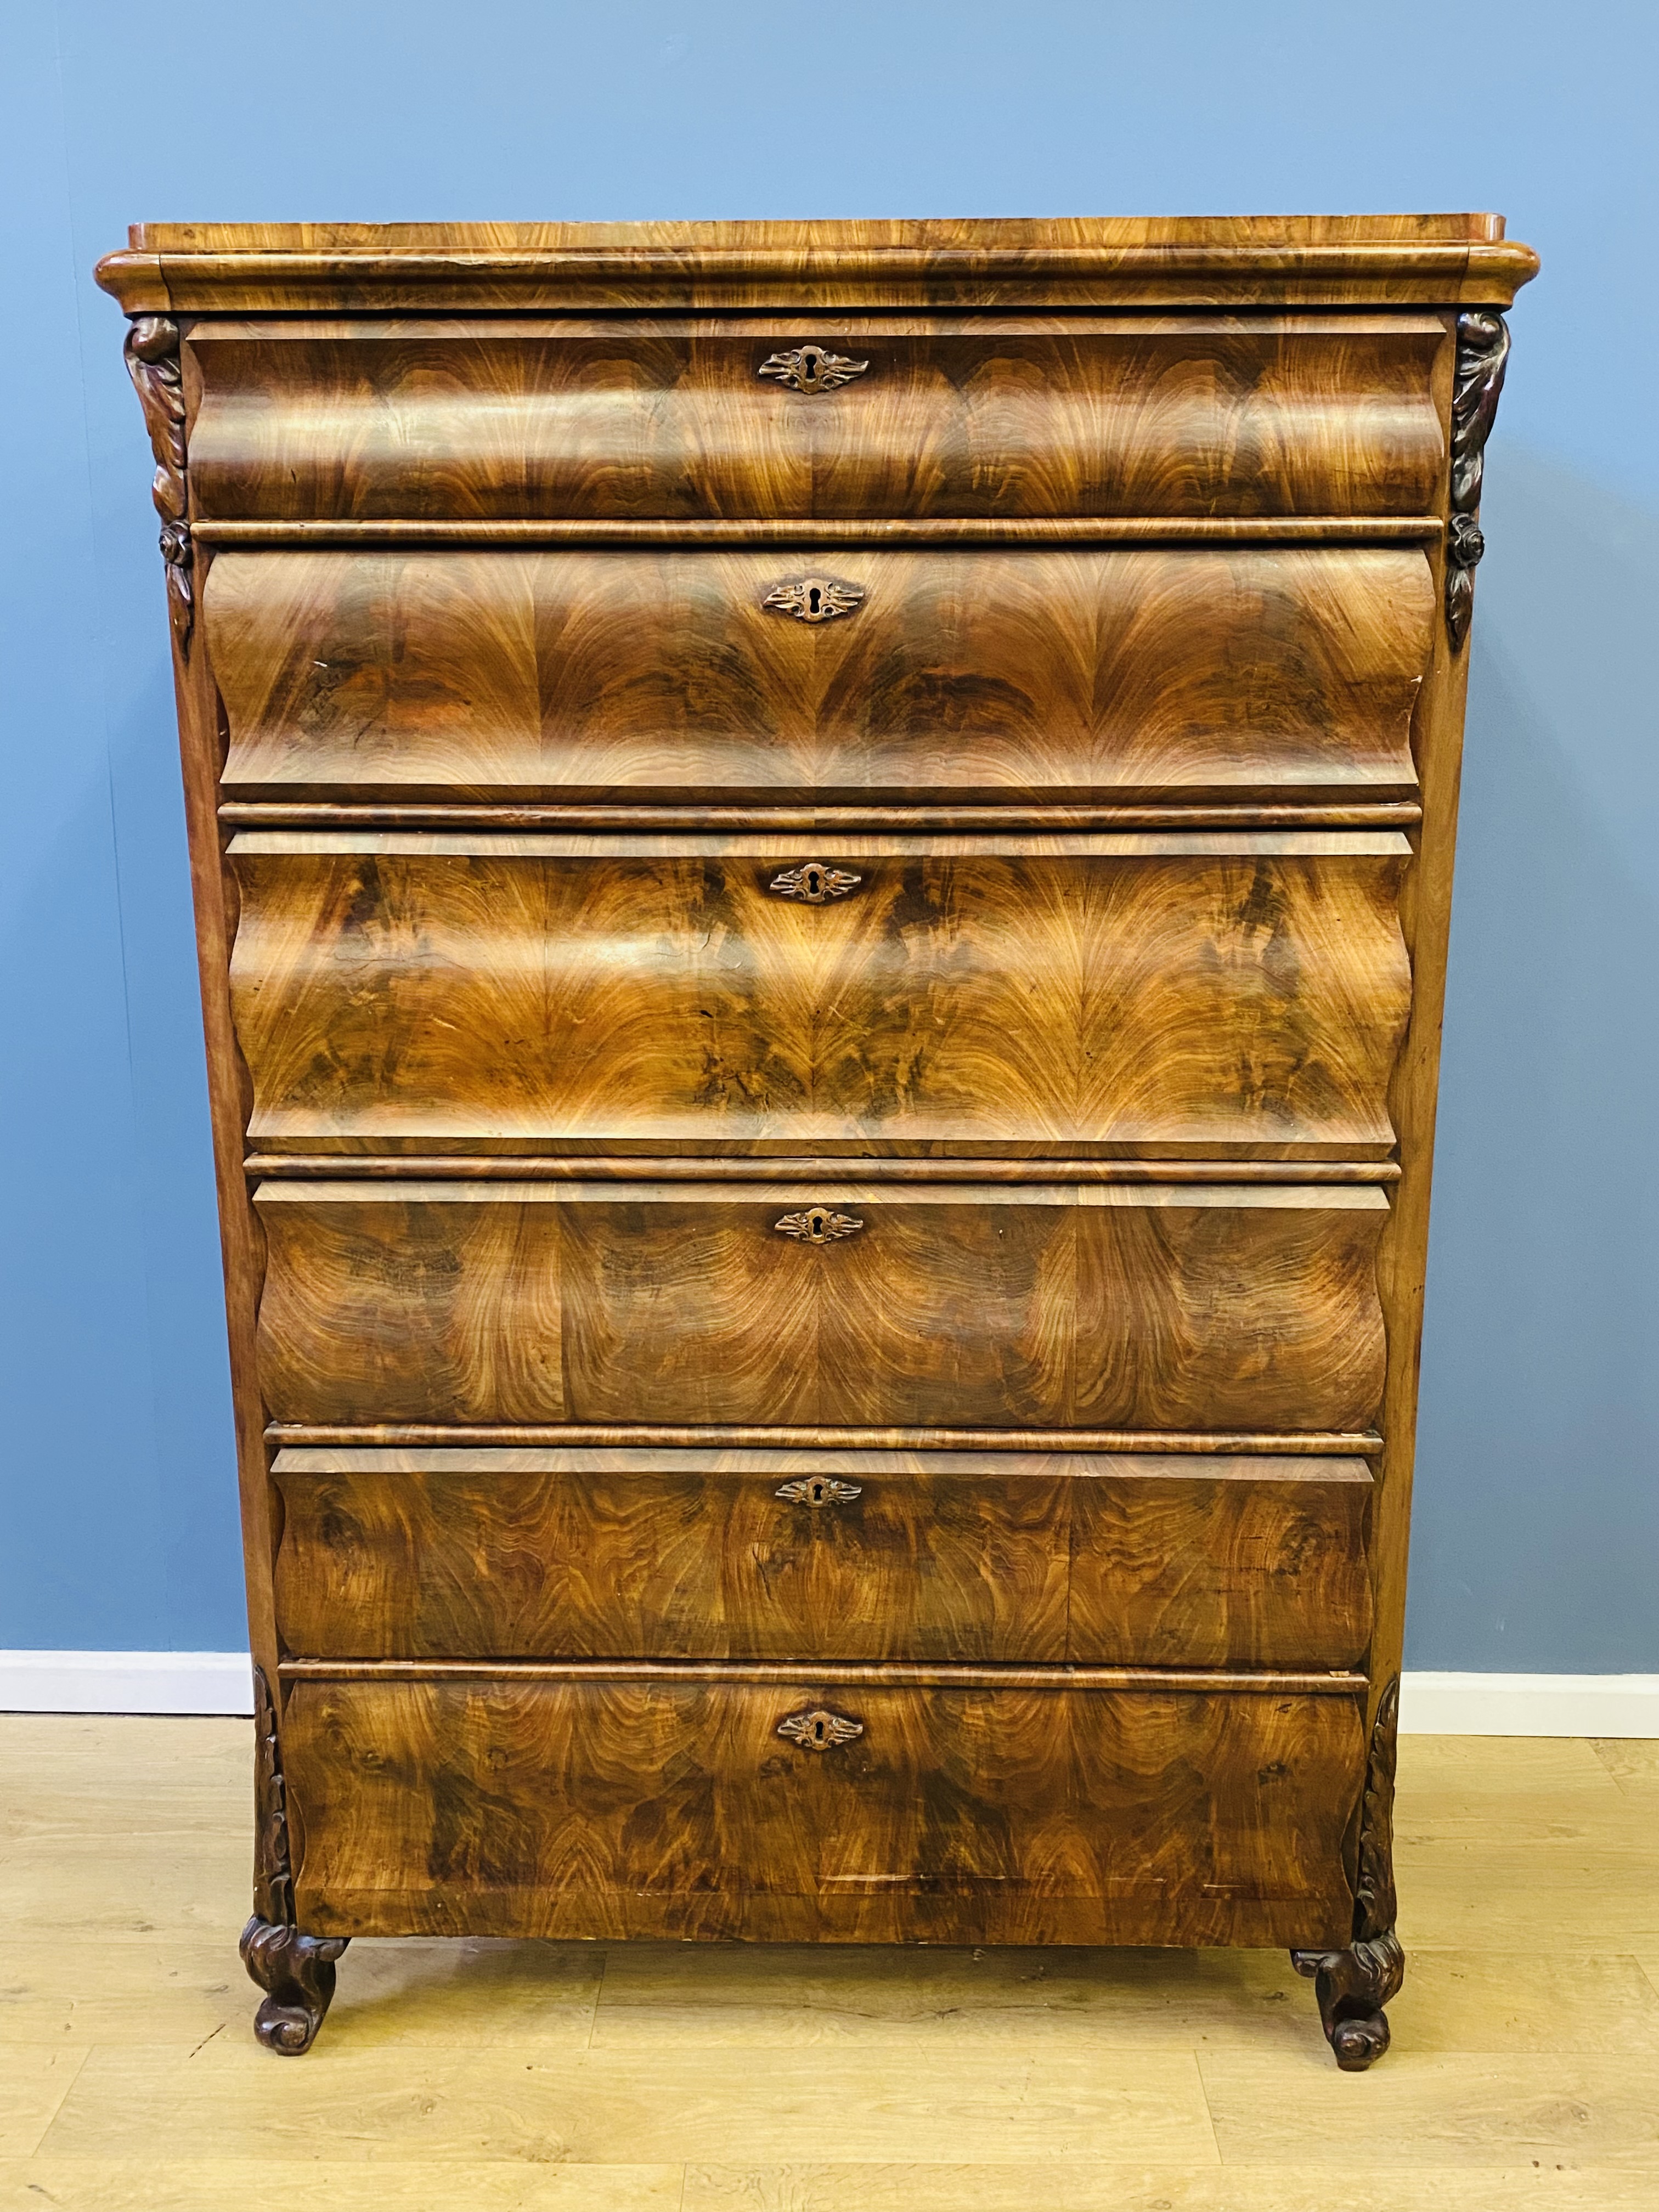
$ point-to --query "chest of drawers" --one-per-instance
(822, 856)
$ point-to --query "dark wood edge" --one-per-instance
(768, 531)
(889, 1674)
(1323, 1442)
(237, 814)
(692, 1168)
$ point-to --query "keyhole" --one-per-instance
(815, 599)
(818, 1731)
(813, 875)
(816, 1493)
(817, 1221)
(810, 359)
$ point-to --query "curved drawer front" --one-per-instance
(682, 419)
(1116, 1306)
(1137, 1559)
(622, 1807)
(1229, 990)
(958, 675)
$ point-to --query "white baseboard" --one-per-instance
(125, 1682)
(1429, 1704)
(1530, 1705)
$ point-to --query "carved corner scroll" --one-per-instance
(273, 1872)
(1483, 352)
(814, 599)
(1353, 1986)
(814, 884)
(819, 1490)
(820, 1730)
(152, 358)
(817, 1224)
(296, 1972)
(809, 368)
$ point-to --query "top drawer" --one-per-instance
(693, 419)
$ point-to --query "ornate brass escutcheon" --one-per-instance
(809, 368)
(814, 884)
(820, 1730)
(814, 599)
(819, 1490)
(816, 1224)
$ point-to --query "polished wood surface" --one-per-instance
(1127, 261)
(674, 419)
(1113, 1306)
(1137, 1559)
(1216, 992)
(962, 677)
(786, 714)
(611, 1809)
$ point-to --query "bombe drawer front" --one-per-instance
(1235, 992)
(949, 675)
(1133, 1559)
(1162, 1307)
(800, 1807)
(679, 419)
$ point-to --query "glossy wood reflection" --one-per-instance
(1138, 415)
(964, 675)
(1138, 1560)
(1118, 1306)
(623, 1808)
(1223, 992)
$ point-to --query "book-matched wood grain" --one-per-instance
(673, 420)
(1217, 991)
(1118, 1306)
(1138, 1560)
(961, 676)
(675, 1808)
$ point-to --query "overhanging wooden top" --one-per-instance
(1226, 261)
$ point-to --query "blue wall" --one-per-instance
(1538, 1521)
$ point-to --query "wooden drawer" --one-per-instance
(1136, 1307)
(1136, 1558)
(957, 676)
(679, 419)
(607, 1805)
(1229, 991)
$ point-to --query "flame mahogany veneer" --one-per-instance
(822, 855)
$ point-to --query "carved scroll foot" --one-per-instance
(297, 1972)
(1353, 1986)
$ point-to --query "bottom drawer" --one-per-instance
(758, 1804)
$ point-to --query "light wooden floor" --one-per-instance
(510, 2078)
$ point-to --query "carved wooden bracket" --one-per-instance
(816, 1224)
(1353, 1986)
(820, 1730)
(296, 1972)
(152, 358)
(273, 1872)
(814, 884)
(819, 1490)
(1483, 352)
(809, 368)
(814, 599)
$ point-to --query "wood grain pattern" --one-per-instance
(1218, 992)
(1064, 678)
(626, 1808)
(1124, 1306)
(671, 419)
(1143, 563)
(1142, 1560)
(1246, 261)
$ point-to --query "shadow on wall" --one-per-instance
(1537, 1507)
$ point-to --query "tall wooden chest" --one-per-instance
(822, 856)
